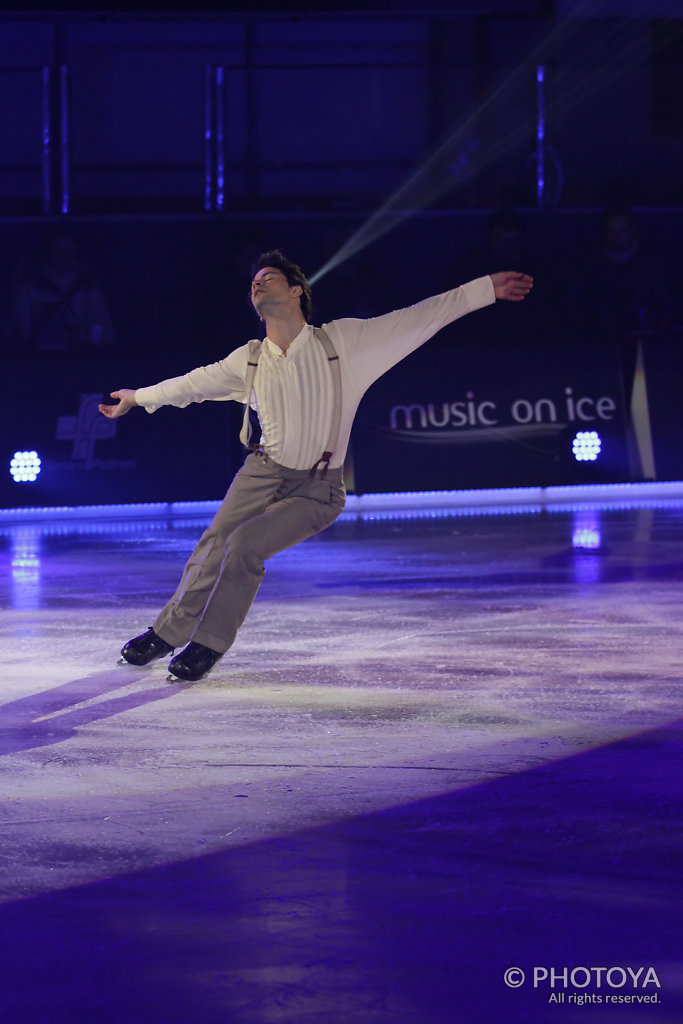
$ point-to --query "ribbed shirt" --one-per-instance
(293, 393)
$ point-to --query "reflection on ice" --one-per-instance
(25, 563)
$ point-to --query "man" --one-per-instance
(307, 384)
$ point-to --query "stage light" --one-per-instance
(586, 446)
(25, 467)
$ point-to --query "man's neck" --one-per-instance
(283, 330)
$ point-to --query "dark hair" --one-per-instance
(293, 273)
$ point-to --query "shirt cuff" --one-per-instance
(145, 398)
(480, 292)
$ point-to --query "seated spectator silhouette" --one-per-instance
(504, 241)
(621, 286)
(503, 245)
(58, 303)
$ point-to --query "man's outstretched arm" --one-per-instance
(374, 346)
(221, 381)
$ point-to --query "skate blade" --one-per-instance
(150, 664)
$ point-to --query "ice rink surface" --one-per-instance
(444, 745)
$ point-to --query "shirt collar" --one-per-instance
(276, 352)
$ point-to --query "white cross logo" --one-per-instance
(88, 426)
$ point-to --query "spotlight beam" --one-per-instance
(436, 175)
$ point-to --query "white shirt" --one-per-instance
(294, 393)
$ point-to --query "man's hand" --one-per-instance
(126, 398)
(509, 284)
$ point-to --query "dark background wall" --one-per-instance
(173, 147)
(334, 110)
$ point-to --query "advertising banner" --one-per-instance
(480, 416)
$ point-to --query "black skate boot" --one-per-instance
(144, 648)
(193, 663)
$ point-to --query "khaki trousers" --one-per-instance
(267, 509)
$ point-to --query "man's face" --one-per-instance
(270, 290)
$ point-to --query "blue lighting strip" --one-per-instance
(47, 140)
(208, 137)
(540, 135)
(220, 139)
(65, 141)
(400, 503)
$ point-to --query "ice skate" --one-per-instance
(143, 649)
(193, 663)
